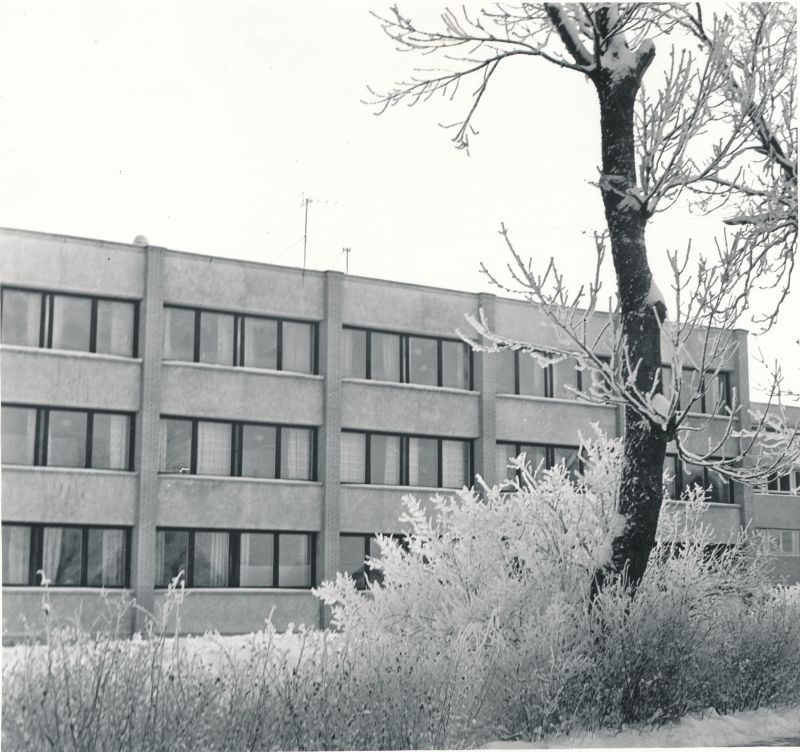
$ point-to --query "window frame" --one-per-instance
(237, 429)
(794, 541)
(239, 323)
(234, 557)
(549, 381)
(679, 486)
(47, 298)
(404, 457)
(367, 538)
(404, 355)
(701, 402)
(549, 451)
(36, 552)
(42, 429)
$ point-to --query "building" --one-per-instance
(254, 425)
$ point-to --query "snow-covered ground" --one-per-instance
(778, 726)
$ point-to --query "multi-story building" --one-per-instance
(254, 426)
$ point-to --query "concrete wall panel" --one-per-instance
(240, 394)
(67, 379)
(724, 519)
(185, 501)
(405, 408)
(772, 510)
(377, 509)
(69, 496)
(53, 262)
(242, 286)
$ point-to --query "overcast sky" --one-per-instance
(203, 124)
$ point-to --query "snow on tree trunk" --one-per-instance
(617, 81)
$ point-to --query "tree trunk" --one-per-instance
(640, 493)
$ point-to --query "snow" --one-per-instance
(654, 295)
(708, 729)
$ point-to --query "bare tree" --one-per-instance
(654, 148)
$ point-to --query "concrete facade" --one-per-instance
(144, 499)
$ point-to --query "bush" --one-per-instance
(480, 629)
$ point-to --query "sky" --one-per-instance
(204, 124)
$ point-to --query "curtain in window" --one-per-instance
(16, 554)
(455, 464)
(353, 457)
(211, 559)
(296, 453)
(22, 312)
(384, 460)
(51, 552)
(298, 349)
(66, 441)
(385, 356)
(113, 558)
(178, 334)
(216, 338)
(71, 322)
(19, 431)
(175, 446)
(162, 576)
(110, 435)
(114, 327)
(294, 560)
(260, 343)
(213, 448)
(422, 462)
(504, 454)
(354, 353)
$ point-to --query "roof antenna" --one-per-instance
(346, 260)
(306, 202)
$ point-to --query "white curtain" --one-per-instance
(161, 546)
(297, 347)
(454, 464)
(353, 457)
(213, 448)
(51, 552)
(16, 554)
(385, 460)
(296, 453)
(294, 564)
(119, 433)
(113, 573)
(385, 357)
(114, 327)
(218, 560)
(216, 338)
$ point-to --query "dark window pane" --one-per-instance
(354, 353)
(351, 558)
(16, 554)
(258, 451)
(172, 555)
(22, 313)
(296, 453)
(114, 327)
(423, 462)
(61, 555)
(504, 364)
(210, 560)
(385, 356)
(565, 374)
(422, 360)
(19, 435)
(213, 448)
(455, 365)
(216, 338)
(256, 560)
(106, 558)
(297, 352)
(353, 457)
(455, 464)
(294, 560)
(66, 438)
(384, 467)
(260, 343)
(72, 319)
(178, 334)
(532, 377)
(110, 441)
(176, 446)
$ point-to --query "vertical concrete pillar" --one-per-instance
(330, 435)
(486, 384)
(740, 384)
(147, 433)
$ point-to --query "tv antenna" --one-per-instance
(346, 260)
(305, 203)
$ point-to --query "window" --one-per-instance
(788, 483)
(232, 558)
(69, 322)
(354, 548)
(396, 460)
(406, 358)
(715, 387)
(250, 450)
(61, 437)
(68, 555)
(521, 373)
(780, 542)
(537, 456)
(719, 490)
(201, 336)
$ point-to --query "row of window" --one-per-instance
(520, 373)
(536, 456)
(69, 322)
(230, 339)
(67, 555)
(253, 450)
(404, 460)
(779, 541)
(64, 437)
(682, 475)
(406, 358)
(716, 388)
(788, 483)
